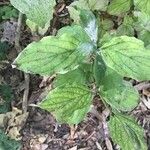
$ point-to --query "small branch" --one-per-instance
(4, 3)
(26, 93)
(102, 118)
(142, 86)
(18, 30)
(26, 76)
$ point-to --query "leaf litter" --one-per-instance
(38, 130)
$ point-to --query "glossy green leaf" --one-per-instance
(91, 4)
(143, 6)
(117, 93)
(56, 54)
(127, 56)
(37, 11)
(118, 7)
(66, 100)
(126, 132)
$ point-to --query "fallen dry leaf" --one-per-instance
(13, 122)
(37, 142)
(73, 148)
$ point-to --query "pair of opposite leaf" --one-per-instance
(73, 46)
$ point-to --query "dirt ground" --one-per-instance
(39, 129)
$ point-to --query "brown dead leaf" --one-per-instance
(13, 122)
(37, 142)
(3, 120)
(146, 101)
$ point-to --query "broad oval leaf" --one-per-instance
(126, 132)
(118, 7)
(55, 54)
(128, 57)
(143, 6)
(64, 101)
(39, 12)
(119, 94)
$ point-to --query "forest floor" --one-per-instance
(37, 129)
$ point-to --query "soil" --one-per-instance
(41, 131)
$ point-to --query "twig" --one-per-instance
(142, 86)
(26, 93)
(4, 3)
(102, 118)
(26, 76)
(18, 30)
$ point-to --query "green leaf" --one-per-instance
(73, 76)
(56, 54)
(75, 118)
(125, 30)
(145, 37)
(143, 22)
(127, 27)
(87, 20)
(8, 144)
(99, 69)
(126, 132)
(117, 93)
(89, 23)
(74, 14)
(5, 98)
(66, 100)
(35, 28)
(127, 56)
(106, 37)
(37, 11)
(8, 12)
(91, 4)
(118, 7)
(107, 24)
(143, 6)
